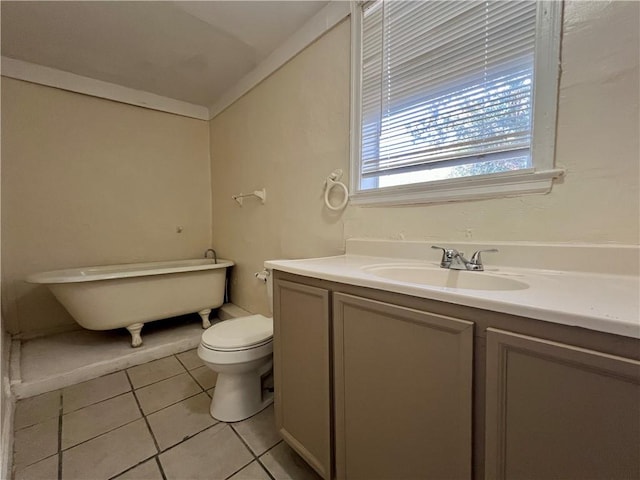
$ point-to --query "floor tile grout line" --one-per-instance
(172, 404)
(242, 440)
(155, 457)
(146, 421)
(159, 463)
(191, 374)
(255, 456)
(264, 467)
(150, 457)
(101, 400)
(188, 437)
(182, 441)
(240, 469)
(153, 383)
(175, 355)
(22, 466)
(247, 447)
(196, 380)
(94, 404)
(173, 376)
(263, 454)
(273, 446)
(182, 363)
(100, 435)
(47, 419)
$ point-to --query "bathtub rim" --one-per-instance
(110, 272)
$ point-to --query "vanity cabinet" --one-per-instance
(402, 392)
(556, 411)
(302, 379)
(399, 382)
(372, 384)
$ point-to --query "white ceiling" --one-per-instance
(189, 51)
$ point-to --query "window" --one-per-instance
(453, 99)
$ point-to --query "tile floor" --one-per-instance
(148, 422)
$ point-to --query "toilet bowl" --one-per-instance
(240, 351)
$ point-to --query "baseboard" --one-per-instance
(15, 374)
(8, 407)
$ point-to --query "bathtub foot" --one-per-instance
(204, 314)
(134, 330)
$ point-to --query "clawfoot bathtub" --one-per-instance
(116, 296)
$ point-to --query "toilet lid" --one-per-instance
(239, 332)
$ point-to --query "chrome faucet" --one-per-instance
(454, 260)
(215, 256)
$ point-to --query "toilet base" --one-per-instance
(239, 396)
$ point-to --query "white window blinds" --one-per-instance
(446, 83)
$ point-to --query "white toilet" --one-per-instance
(240, 351)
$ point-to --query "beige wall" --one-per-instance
(286, 135)
(597, 144)
(291, 131)
(87, 181)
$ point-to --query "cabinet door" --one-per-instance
(555, 411)
(402, 383)
(302, 371)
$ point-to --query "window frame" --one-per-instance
(538, 179)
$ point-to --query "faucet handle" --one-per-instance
(447, 256)
(476, 259)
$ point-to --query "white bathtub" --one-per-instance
(115, 296)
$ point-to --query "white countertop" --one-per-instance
(593, 300)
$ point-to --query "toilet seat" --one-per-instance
(238, 334)
(240, 349)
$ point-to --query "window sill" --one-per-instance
(460, 189)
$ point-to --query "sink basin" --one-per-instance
(445, 278)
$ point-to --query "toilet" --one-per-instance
(240, 350)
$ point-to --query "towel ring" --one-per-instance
(333, 181)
